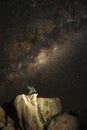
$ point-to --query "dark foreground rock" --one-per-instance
(2, 117)
(64, 122)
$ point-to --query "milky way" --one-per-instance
(44, 44)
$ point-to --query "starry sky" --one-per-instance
(44, 44)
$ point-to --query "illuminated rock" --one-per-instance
(34, 113)
(48, 108)
(2, 117)
(64, 122)
(26, 106)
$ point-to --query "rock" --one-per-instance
(34, 113)
(8, 128)
(64, 122)
(48, 108)
(2, 117)
(26, 107)
(9, 122)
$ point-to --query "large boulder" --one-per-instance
(2, 117)
(26, 107)
(64, 122)
(48, 108)
(34, 112)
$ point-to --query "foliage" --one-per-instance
(31, 90)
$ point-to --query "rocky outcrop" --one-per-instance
(38, 114)
(34, 112)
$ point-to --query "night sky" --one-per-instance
(44, 43)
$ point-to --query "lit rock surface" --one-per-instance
(64, 122)
(48, 108)
(34, 112)
(27, 111)
(2, 117)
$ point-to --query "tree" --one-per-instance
(31, 90)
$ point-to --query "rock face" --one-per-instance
(34, 112)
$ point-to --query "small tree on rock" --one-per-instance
(31, 90)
